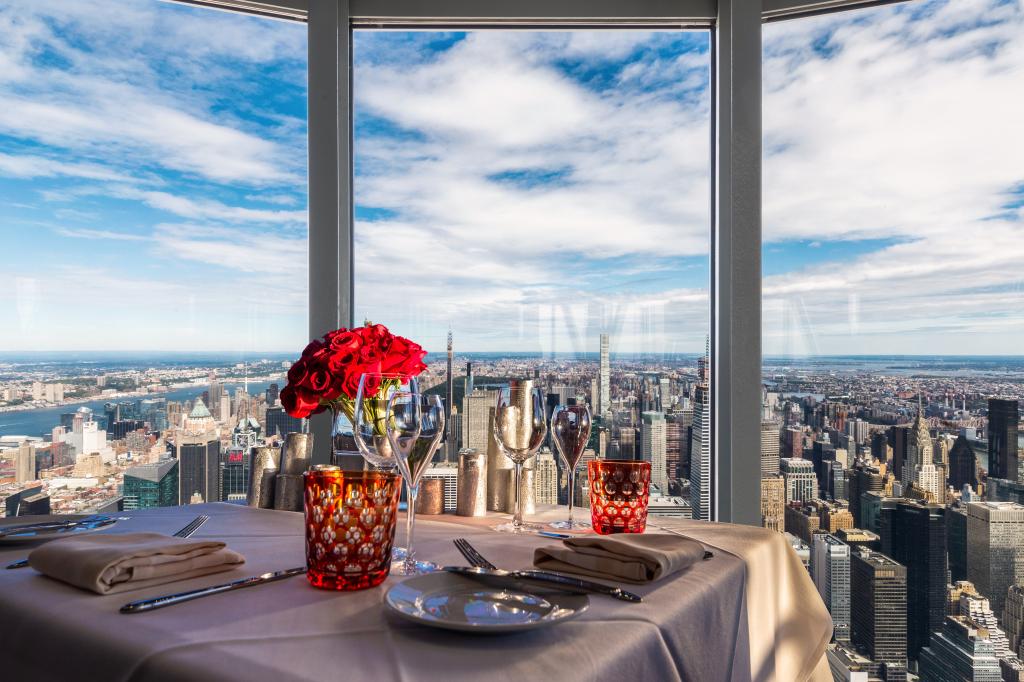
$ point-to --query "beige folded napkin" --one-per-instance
(117, 563)
(640, 558)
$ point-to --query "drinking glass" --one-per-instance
(415, 426)
(619, 493)
(570, 429)
(519, 429)
(368, 428)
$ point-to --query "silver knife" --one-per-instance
(169, 599)
(91, 522)
(553, 579)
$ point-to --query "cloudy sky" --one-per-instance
(529, 190)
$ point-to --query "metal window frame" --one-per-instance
(735, 308)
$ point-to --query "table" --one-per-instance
(749, 613)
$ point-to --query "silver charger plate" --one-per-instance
(452, 602)
(7, 525)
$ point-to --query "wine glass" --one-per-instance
(519, 429)
(570, 429)
(415, 426)
(368, 429)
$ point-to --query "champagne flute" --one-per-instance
(570, 429)
(519, 429)
(415, 426)
(368, 428)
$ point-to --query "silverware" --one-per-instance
(169, 599)
(485, 569)
(556, 536)
(185, 532)
(556, 580)
(96, 521)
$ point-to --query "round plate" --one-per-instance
(452, 602)
(8, 524)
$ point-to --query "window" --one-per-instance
(153, 222)
(544, 196)
(892, 307)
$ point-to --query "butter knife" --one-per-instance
(169, 599)
(557, 580)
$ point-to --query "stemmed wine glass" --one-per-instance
(368, 429)
(415, 425)
(369, 417)
(570, 429)
(519, 428)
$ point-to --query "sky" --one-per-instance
(528, 190)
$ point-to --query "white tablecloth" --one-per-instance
(749, 613)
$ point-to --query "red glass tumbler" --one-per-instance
(619, 491)
(350, 526)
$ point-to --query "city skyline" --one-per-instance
(197, 219)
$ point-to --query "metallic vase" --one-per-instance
(498, 466)
(266, 461)
(471, 499)
(288, 491)
(297, 453)
(430, 499)
(527, 491)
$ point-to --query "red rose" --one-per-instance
(347, 342)
(298, 402)
(318, 380)
(297, 373)
(312, 347)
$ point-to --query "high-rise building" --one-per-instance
(604, 401)
(675, 444)
(773, 503)
(545, 478)
(830, 570)
(233, 474)
(995, 548)
(450, 445)
(197, 449)
(956, 542)
(769, 448)
(151, 485)
(279, 423)
(972, 605)
(1013, 617)
(449, 473)
(878, 610)
(652, 447)
(900, 439)
(1003, 417)
(25, 463)
(700, 440)
(801, 483)
(477, 416)
(918, 541)
(963, 466)
(960, 650)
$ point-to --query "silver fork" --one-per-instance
(474, 557)
(185, 532)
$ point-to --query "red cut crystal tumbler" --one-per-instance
(350, 526)
(619, 491)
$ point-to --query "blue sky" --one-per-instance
(528, 189)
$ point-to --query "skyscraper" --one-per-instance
(956, 542)
(233, 474)
(25, 463)
(604, 403)
(197, 449)
(1003, 416)
(963, 466)
(653, 444)
(450, 446)
(1013, 617)
(769, 448)
(151, 485)
(477, 408)
(995, 548)
(878, 610)
(675, 441)
(918, 541)
(545, 478)
(280, 423)
(700, 441)
(960, 650)
(773, 503)
(801, 483)
(830, 569)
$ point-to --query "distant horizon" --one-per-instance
(508, 353)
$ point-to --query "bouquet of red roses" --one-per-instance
(327, 375)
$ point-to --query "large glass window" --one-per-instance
(893, 312)
(544, 197)
(153, 223)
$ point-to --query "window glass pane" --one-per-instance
(533, 193)
(153, 227)
(893, 315)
